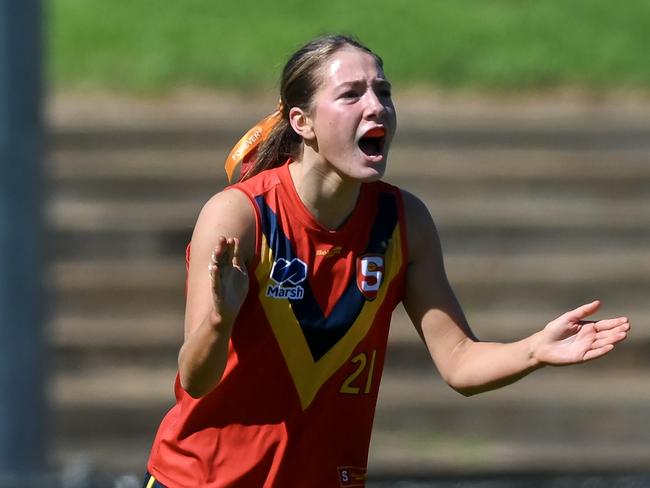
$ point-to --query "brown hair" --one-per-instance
(299, 82)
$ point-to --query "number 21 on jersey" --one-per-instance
(363, 365)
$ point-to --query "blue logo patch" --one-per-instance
(288, 275)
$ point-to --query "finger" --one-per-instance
(213, 270)
(596, 353)
(213, 265)
(614, 330)
(607, 324)
(226, 256)
(583, 311)
(219, 249)
(231, 245)
(610, 339)
(237, 260)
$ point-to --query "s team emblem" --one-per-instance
(370, 273)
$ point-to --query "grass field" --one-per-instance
(143, 46)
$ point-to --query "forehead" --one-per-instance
(350, 64)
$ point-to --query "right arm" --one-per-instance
(217, 283)
(471, 366)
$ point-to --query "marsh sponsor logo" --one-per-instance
(287, 275)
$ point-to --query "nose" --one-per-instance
(374, 105)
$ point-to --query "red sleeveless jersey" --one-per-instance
(296, 403)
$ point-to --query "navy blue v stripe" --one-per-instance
(322, 333)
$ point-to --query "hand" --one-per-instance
(229, 278)
(569, 339)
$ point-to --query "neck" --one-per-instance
(328, 196)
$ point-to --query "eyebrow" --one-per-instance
(378, 82)
(383, 83)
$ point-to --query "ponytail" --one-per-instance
(282, 143)
(246, 149)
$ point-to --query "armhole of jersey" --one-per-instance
(403, 230)
(258, 228)
(187, 266)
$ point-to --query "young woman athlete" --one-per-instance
(293, 275)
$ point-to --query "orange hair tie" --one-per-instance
(245, 150)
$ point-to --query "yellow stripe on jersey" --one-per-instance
(151, 481)
(309, 375)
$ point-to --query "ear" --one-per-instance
(301, 123)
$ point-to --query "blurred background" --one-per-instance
(524, 126)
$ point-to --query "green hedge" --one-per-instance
(496, 45)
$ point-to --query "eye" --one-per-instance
(350, 94)
(385, 92)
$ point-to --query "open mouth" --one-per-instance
(372, 142)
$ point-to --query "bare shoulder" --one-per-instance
(229, 213)
(229, 207)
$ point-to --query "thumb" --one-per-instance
(583, 311)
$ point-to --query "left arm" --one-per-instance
(466, 364)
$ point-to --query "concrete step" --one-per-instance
(192, 164)
(566, 194)
(517, 208)
(70, 244)
(466, 164)
(539, 211)
(457, 239)
(597, 135)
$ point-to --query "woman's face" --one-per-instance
(353, 117)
